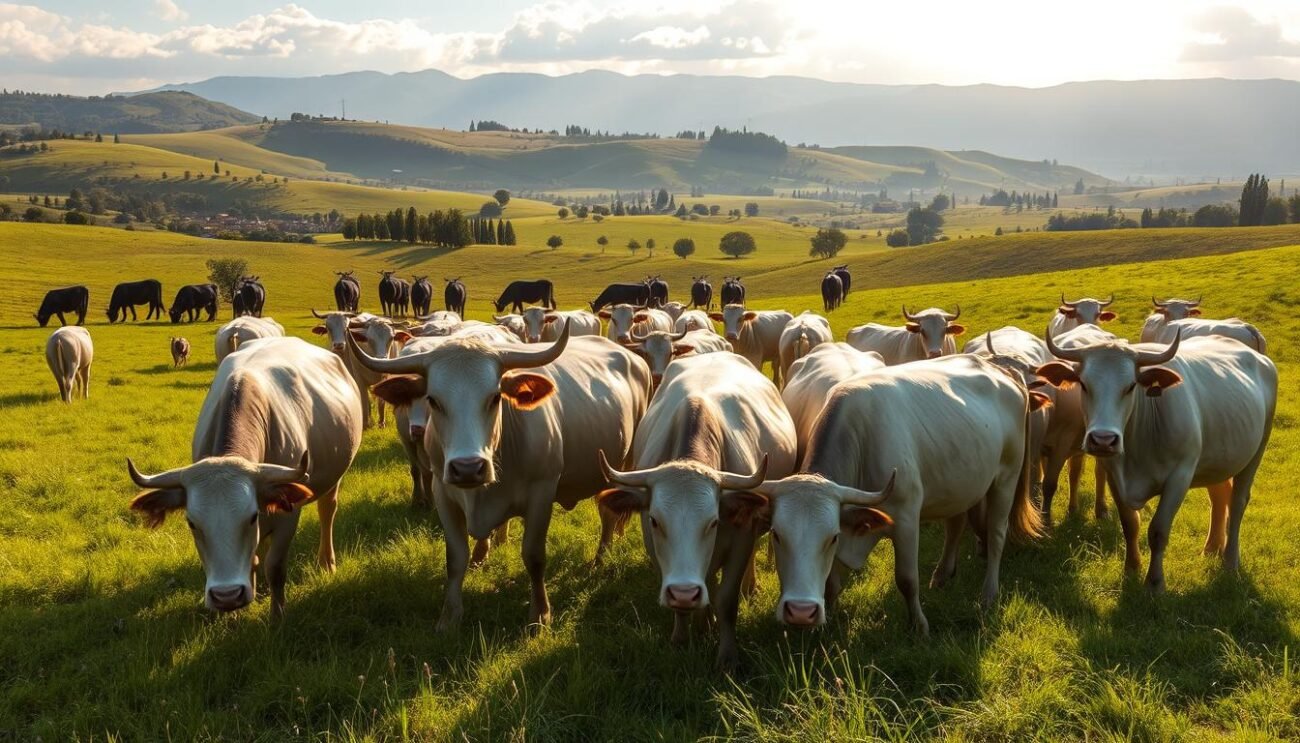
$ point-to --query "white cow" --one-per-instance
(624, 319)
(1159, 329)
(278, 429)
(674, 309)
(242, 330)
(812, 377)
(714, 415)
(434, 324)
(543, 325)
(69, 353)
(660, 348)
(927, 335)
(756, 335)
(693, 320)
(933, 440)
(513, 323)
(378, 333)
(1163, 419)
(802, 334)
(1086, 311)
(509, 443)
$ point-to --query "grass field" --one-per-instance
(103, 636)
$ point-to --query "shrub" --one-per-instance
(554, 241)
(736, 244)
(897, 239)
(490, 210)
(684, 247)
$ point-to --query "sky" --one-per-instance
(92, 47)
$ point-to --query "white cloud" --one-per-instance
(1233, 34)
(168, 10)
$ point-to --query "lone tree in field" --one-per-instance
(923, 226)
(563, 213)
(216, 168)
(736, 244)
(602, 241)
(828, 243)
(554, 241)
(225, 273)
(633, 246)
(502, 196)
(650, 246)
(751, 209)
(684, 247)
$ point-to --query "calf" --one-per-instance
(927, 335)
(383, 340)
(801, 335)
(71, 299)
(756, 335)
(1086, 311)
(69, 353)
(180, 351)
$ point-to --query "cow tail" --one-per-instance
(233, 342)
(801, 346)
(1026, 519)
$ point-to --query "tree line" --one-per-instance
(450, 228)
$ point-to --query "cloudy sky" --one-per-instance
(91, 46)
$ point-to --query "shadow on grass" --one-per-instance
(27, 398)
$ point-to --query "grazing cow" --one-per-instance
(660, 348)
(1202, 419)
(241, 330)
(799, 336)
(180, 351)
(693, 320)
(1178, 317)
(890, 449)
(514, 323)
(1086, 311)
(633, 294)
(624, 318)
(544, 325)
(674, 309)
(810, 381)
(58, 301)
(376, 332)
(714, 416)
(756, 335)
(519, 293)
(509, 443)
(347, 292)
(733, 292)
(846, 279)
(454, 297)
(278, 429)
(658, 291)
(69, 353)
(422, 295)
(832, 291)
(389, 293)
(193, 299)
(927, 335)
(131, 293)
(701, 293)
(250, 296)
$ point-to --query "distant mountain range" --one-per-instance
(1193, 128)
(138, 114)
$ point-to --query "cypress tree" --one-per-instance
(510, 234)
(412, 225)
(501, 232)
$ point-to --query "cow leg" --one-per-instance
(834, 586)
(379, 406)
(1076, 472)
(366, 421)
(277, 558)
(1241, 486)
(61, 320)
(326, 506)
(1100, 510)
(611, 527)
(739, 560)
(84, 375)
(456, 539)
(1051, 481)
(947, 567)
(1158, 532)
(1220, 501)
(536, 525)
(1000, 501)
(907, 549)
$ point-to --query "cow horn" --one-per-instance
(316, 314)
(988, 343)
(1061, 353)
(953, 317)
(631, 479)
(745, 482)
(907, 315)
(1152, 358)
(168, 479)
(1110, 301)
(1197, 303)
(678, 336)
(511, 359)
(275, 474)
(413, 364)
(855, 497)
(1157, 302)
(1065, 303)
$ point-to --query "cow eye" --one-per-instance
(835, 538)
(712, 525)
(253, 520)
(654, 523)
(434, 404)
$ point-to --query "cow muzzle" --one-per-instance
(467, 472)
(933, 354)
(417, 433)
(801, 613)
(339, 348)
(733, 336)
(684, 597)
(228, 598)
(1102, 443)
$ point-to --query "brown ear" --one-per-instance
(1194, 313)
(1106, 316)
(1038, 401)
(913, 327)
(549, 319)
(717, 317)
(749, 316)
(526, 391)
(862, 520)
(1067, 311)
(400, 389)
(681, 349)
(955, 328)
(640, 317)
(358, 336)
(603, 314)
(282, 498)
(620, 501)
(1157, 379)
(742, 508)
(156, 504)
(320, 330)
(402, 336)
(1058, 374)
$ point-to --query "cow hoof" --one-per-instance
(448, 622)
(326, 563)
(728, 662)
(1155, 585)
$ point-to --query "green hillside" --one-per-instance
(166, 111)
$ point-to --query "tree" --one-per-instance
(1254, 200)
(99, 137)
(34, 214)
(412, 225)
(650, 246)
(116, 139)
(490, 210)
(350, 228)
(75, 218)
(684, 247)
(751, 209)
(554, 241)
(216, 168)
(510, 234)
(828, 243)
(564, 213)
(923, 225)
(940, 203)
(226, 273)
(1292, 203)
(633, 246)
(736, 244)
(899, 239)
(502, 196)
(1275, 211)
(1214, 215)
(1078, 187)
(602, 241)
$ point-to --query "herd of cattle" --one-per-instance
(643, 405)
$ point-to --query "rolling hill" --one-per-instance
(166, 111)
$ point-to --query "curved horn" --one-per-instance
(1110, 301)
(954, 317)
(678, 336)
(168, 479)
(1197, 303)
(853, 496)
(413, 364)
(275, 474)
(1152, 358)
(1157, 302)
(631, 479)
(732, 481)
(1065, 303)
(988, 344)
(316, 314)
(1061, 353)
(907, 315)
(511, 359)
(500, 318)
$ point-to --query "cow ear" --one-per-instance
(743, 508)
(1106, 316)
(320, 330)
(1039, 401)
(1157, 379)
(862, 520)
(717, 317)
(284, 497)
(526, 391)
(156, 504)
(1067, 311)
(749, 316)
(640, 317)
(603, 314)
(681, 349)
(955, 328)
(400, 389)
(402, 336)
(913, 327)
(1058, 374)
(622, 501)
(549, 319)
(1194, 313)
(358, 336)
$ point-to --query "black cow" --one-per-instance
(637, 295)
(421, 295)
(193, 299)
(388, 291)
(347, 292)
(454, 296)
(701, 292)
(403, 301)
(832, 291)
(250, 296)
(733, 292)
(520, 293)
(131, 293)
(658, 291)
(58, 301)
(845, 278)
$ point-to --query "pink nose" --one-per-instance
(684, 596)
(733, 337)
(935, 354)
(417, 433)
(801, 613)
(467, 471)
(228, 598)
(339, 347)
(1102, 442)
